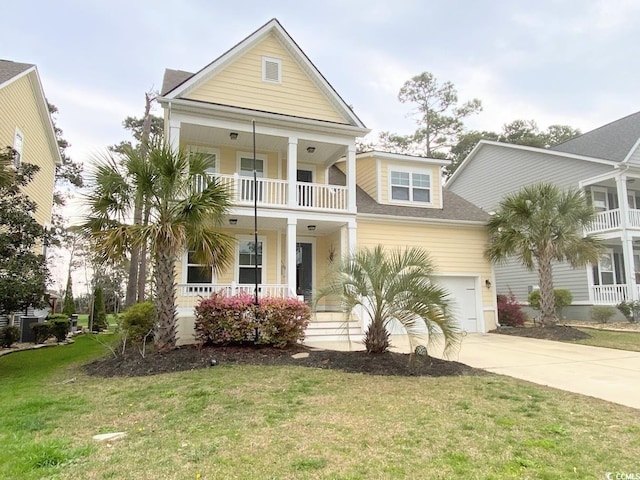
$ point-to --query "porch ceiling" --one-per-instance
(324, 153)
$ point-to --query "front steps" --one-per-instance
(332, 327)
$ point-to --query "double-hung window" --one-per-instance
(18, 142)
(199, 277)
(249, 258)
(410, 187)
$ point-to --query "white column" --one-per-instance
(291, 254)
(351, 179)
(292, 172)
(174, 135)
(351, 237)
(626, 238)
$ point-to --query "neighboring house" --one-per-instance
(317, 198)
(25, 126)
(605, 163)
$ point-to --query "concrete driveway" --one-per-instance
(605, 373)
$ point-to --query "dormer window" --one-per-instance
(271, 70)
(410, 187)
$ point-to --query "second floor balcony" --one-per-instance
(612, 220)
(271, 192)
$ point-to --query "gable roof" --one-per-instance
(9, 70)
(454, 207)
(178, 83)
(612, 141)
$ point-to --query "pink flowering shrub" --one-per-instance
(222, 320)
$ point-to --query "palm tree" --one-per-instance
(180, 218)
(541, 224)
(394, 287)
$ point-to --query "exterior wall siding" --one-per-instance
(454, 249)
(513, 169)
(635, 156)
(20, 109)
(366, 175)
(241, 85)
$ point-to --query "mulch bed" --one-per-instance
(560, 333)
(190, 358)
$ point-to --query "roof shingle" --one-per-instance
(9, 69)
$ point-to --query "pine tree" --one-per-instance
(99, 314)
(69, 307)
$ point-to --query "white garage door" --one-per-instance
(464, 301)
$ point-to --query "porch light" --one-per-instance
(311, 228)
(233, 221)
(487, 283)
(233, 135)
(311, 149)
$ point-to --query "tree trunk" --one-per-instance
(376, 339)
(142, 272)
(165, 332)
(547, 299)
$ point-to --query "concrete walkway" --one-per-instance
(605, 373)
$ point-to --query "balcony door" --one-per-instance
(304, 270)
(305, 192)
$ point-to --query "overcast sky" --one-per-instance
(558, 62)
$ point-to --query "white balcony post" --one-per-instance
(292, 172)
(291, 254)
(623, 201)
(351, 179)
(174, 135)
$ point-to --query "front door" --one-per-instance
(305, 192)
(304, 270)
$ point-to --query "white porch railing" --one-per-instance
(609, 294)
(607, 220)
(189, 294)
(273, 192)
(634, 218)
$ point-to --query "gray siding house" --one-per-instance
(605, 163)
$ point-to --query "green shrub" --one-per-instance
(224, 320)
(562, 297)
(510, 312)
(138, 320)
(59, 328)
(57, 316)
(9, 335)
(602, 313)
(631, 310)
(41, 332)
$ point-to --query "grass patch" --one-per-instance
(609, 339)
(289, 422)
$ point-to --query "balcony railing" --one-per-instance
(609, 294)
(273, 192)
(611, 220)
(189, 294)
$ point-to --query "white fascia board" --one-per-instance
(598, 178)
(419, 220)
(201, 114)
(403, 157)
(17, 77)
(543, 151)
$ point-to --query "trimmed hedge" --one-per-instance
(41, 332)
(138, 320)
(9, 335)
(222, 320)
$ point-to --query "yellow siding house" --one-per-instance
(25, 126)
(317, 198)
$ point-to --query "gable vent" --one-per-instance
(271, 69)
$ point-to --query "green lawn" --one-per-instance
(83, 320)
(298, 423)
(608, 339)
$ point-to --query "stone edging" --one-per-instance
(7, 351)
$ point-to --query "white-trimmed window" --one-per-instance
(604, 272)
(248, 258)
(18, 144)
(271, 70)
(245, 167)
(411, 187)
(196, 272)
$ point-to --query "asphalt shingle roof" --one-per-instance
(612, 141)
(9, 69)
(173, 78)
